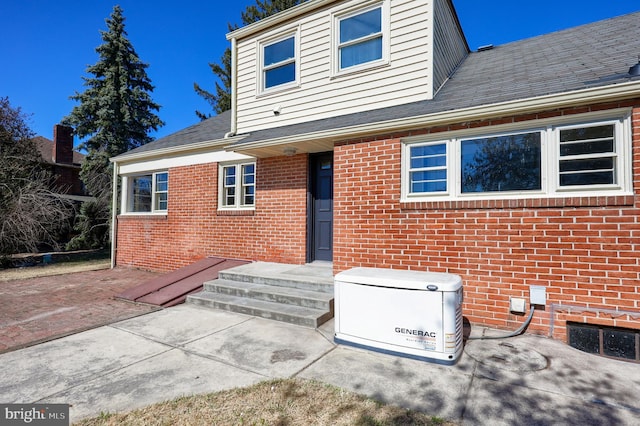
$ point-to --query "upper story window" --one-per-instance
(553, 160)
(237, 186)
(278, 63)
(147, 193)
(360, 38)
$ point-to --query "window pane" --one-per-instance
(141, 194)
(230, 196)
(367, 51)
(579, 148)
(162, 182)
(605, 163)
(587, 178)
(229, 176)
(162, 177)
(428, 156)
(280, 51)
(502, 163)
(429, 181)
(585, 338)
(248, 174)
(280, 75)
(161, 201)
(361, 25)
(597, 132)
(248, 195)
(619, 343)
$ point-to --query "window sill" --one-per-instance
(360, 69)
(595, 201)
(236, 212)
(143, 216)
(277, 90)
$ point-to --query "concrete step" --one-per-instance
(292, 314)
(272, 293)
(304, 277)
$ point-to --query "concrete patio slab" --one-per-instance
(37, 372)
(270, 348)
(409, 383)
(508, 404)
(181, 324)
(163, 377)
(185, 350)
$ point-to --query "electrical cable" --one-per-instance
(519, 331)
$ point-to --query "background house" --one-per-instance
(62, 161)
(367, 134)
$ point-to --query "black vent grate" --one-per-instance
(611, 342)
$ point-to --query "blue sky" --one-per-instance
(46, 46)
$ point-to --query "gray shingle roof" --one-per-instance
(212, 128)
(592, 55)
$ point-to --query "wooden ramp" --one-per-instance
(172, 288)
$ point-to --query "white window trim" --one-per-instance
(337, 16)
(127, 194)
(239, 183)
(550, 154)
(260, 69)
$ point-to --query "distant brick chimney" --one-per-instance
(62, 144)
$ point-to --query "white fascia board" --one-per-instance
(166, 163)
(510, 108)
(284, 16)
(189, 149)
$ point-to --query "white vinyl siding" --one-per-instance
(449, 47)
(405, 77)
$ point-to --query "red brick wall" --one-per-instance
(193, 228)
(583, 250)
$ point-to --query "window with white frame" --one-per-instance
(278, 62)
(552, 160)
(147, 193)
(237, 186)
(360, 38)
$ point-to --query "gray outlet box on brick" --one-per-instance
(538, 295)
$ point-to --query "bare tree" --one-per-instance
(31, 214)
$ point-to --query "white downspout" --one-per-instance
(114, 214)
(234, 91)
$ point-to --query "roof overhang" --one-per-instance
(192, 148)
(323, 140)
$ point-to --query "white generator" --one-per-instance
(408, 313)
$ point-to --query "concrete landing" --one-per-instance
(173, 288)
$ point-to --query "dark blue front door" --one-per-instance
(322, 207)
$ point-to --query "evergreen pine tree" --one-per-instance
(220, 101)
(115, 114)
